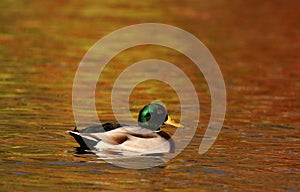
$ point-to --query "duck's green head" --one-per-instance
(153, 116)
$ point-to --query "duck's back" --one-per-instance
(99, 128)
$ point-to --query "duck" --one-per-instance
(145, 138)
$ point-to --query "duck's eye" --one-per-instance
(148, 116)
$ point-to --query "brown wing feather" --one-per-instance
(145, 136)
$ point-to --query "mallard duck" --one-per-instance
(147, 137)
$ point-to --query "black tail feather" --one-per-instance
(85, 144)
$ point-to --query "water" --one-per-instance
(255, 43)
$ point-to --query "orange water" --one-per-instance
(256, 44)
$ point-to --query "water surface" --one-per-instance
(256, 44)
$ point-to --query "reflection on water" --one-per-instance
(255, 43)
